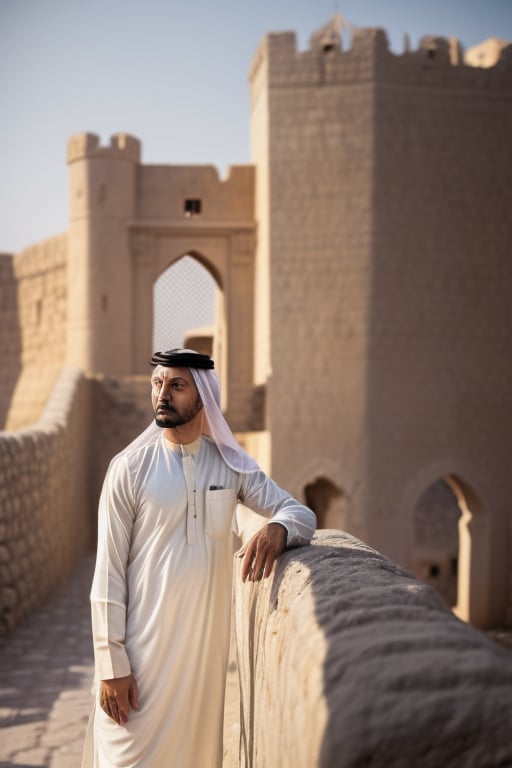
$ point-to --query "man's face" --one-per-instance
(174, 396)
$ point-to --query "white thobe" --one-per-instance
(161, 597)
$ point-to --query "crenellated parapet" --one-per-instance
(436, 60)
(440, 61)
(87, 145)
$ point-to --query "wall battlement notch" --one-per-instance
(87, 145)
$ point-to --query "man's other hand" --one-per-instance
(117, 696)
(261, 552)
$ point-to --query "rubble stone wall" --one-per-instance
(44, 499)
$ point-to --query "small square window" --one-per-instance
(192, 207)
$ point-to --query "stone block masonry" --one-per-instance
(44, 500)
(347, 661)
(383, 281)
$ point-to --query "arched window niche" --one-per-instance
(328, 502)
(451, 546)
(436, 539)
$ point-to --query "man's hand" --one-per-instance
(117, 696)
(261, 552)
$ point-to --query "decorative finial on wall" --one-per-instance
(329, 36)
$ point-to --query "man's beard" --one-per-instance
(168, 417)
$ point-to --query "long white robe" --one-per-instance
(161, 597)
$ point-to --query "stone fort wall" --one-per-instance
(45, 504)
(375, 240)
(10, 334)
(316, 258)
(33, 312)
(387, 266)
(51, 475)
(440, 314)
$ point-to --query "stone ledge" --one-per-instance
(347, 660)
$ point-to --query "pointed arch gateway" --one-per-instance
(228, 258)
(188, 308)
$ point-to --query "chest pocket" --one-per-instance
(220, 508)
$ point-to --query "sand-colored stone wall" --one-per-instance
(44, 499)
(33, 308)
(383, 241)
(440, 315)
(346, 660)
(10, 334)
(162, 191)
(312, 142)
(363, 263)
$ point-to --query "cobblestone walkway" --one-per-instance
(46, 671)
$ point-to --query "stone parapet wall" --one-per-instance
(44, 499)
(347, 660)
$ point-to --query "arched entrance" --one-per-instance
(228, 257)
(185, 303)
(328, 502)
(188, 310)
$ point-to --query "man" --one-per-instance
(161, 593)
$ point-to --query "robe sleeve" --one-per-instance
(109, 592)
(261, 494)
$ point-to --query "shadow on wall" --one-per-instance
(346, 660)
(10, 335)
(404, 679)
(121, 410)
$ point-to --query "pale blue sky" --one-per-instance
(171, 72)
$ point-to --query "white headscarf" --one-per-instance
(208, 386)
